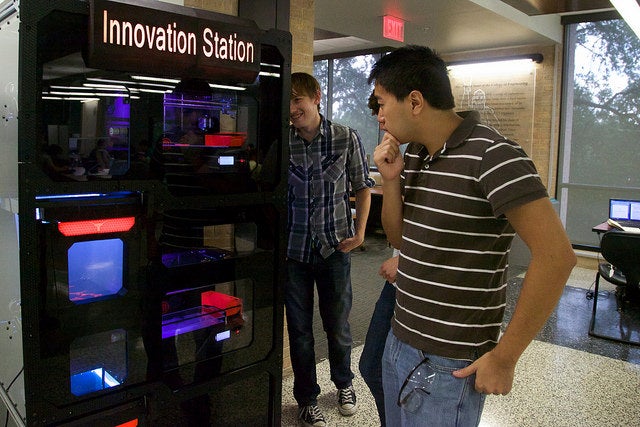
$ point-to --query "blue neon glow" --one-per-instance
(95, 269)
(93, 380)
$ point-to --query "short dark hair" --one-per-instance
(372, 103)
(411, 68)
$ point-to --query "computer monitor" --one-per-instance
(624, 210)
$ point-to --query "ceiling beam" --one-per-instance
(545, 7)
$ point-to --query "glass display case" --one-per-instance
(151, 199)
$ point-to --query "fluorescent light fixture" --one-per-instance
(98, 79)
(70, 196)
(89, 94)
(217, 86)
(264, 73)
(129, 83)
(265, 64)
(68, 87)
(72, 93)
(156, 85)
(152, 90)
(112, 95)
(514, 66)
(155, 79)
(105, 86)
(69, 98)
(630, 11)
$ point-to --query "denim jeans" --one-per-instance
(371, 359)
(451, 402)
(332, 277)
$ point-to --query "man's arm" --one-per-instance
(388, 159)
(552, 259)
(363, 204)
(389, 269)
(391, 212)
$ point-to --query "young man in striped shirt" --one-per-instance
(452, 205)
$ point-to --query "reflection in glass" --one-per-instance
(98, 361)
(95, 269)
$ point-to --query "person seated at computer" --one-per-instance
(53, 161)
(100, 159)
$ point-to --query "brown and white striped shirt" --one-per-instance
(451, 290)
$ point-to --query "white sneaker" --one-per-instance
(347, 404)
(310, 416)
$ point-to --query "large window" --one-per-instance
(600, 156)
(345, 93)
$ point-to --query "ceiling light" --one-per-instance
(67, 87)
(496, 66)
(266, 64)
(155, 79)
(105, 86)
(264, 73)
(152, 90)
(53, 92)
(217, 86)
(112, 95)
(491, 68)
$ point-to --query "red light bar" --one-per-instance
(96, 226)
(132, 423)
(227, 139)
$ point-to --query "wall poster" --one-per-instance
(503, 96)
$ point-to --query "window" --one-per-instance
(600, 139)
(345, 93)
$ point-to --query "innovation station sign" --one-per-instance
(142, 39)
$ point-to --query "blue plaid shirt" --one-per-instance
(321, 175)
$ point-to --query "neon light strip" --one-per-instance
(96, 226)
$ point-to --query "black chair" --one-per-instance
(621, 250)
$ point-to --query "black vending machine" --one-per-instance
(152, 205)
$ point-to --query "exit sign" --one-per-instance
(393, 28)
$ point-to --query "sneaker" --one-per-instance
(311, 416)
(347, 401)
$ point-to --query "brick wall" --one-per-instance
(301, 25)
(229, 7)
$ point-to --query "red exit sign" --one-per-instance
(393, 28)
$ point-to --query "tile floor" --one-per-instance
(564, 378)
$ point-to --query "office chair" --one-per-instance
(621, 250)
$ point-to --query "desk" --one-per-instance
(603, 227)
(619, 318)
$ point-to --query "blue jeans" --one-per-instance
(332, 277)
(371, 358)
(451, 402)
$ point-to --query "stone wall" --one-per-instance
(229, 7)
